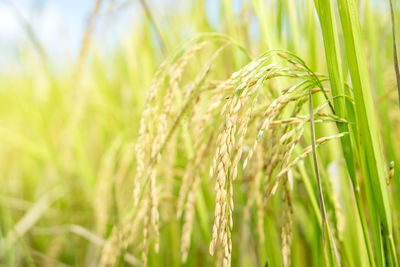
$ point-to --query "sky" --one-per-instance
(58, 24)
(51, 20)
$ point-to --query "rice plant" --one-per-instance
(267, 140)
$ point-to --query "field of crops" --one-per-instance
(212, 133)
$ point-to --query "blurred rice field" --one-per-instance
(227, 133)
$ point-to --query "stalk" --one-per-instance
(371, 161)
(332, 52)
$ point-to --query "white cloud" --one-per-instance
(52, 30)
(9, 26)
